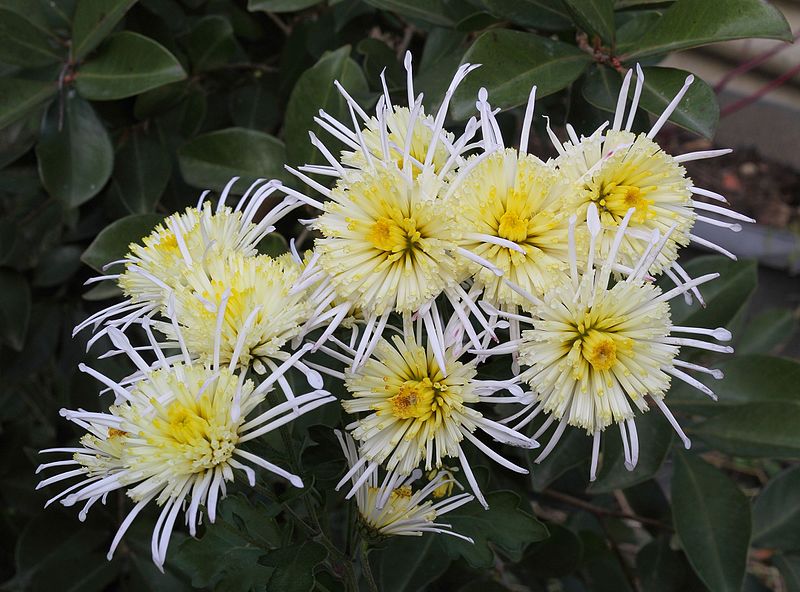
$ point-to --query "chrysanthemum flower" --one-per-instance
(175, 436)
(598, 352)
(615, 170)
(510, 210)
(238, 306)
(183, 241)
(390, 238)
(412, 412)
(399, 510)
(396, 121)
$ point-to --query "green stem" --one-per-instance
(365, 567)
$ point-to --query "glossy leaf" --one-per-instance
(410, 563)
(655, 439)
(314, 91)
(776, 513)
(437, 12)
(111, 244)
(712, 519)
(93, 21)
(660, 569)
(593, 16)
(766, 331)
(75, 154)
(558, 555)
(725, 296)
(24, 44)
(697, 112)
(573, 450)
(15, 308)
(294, 566)
(755, 429)
(19, 137)
(747, 379)
(19, 96)
(57, 266)
(210, 43)
(279, 5)
(210, 160)
(690, 23)
(549, 15)
(504, 524)
(126, 65)
(512, 62)
(141, 171)
(255, 106)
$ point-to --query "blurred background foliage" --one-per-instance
(115, 113)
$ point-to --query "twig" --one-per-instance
(286, 29)
(770, 86)
(597, 510)
(753, 63)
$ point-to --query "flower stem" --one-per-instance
(365, 567)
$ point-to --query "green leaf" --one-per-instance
(789, 566)
(602, 566)
(255, 106)
(747, 379)
(223, 559)
(697, 112)
(557, 556)
(573, 450)
(504, 524)
(660, 569)
(273, 245)
(712, 519)
(141, 171)
(54, 552)
(766, 331)
(210, 43)
(438, 12)
(114, 240)
(294, 566)
(314, 91)
(279, 5)
(550, 15)
(210, 160)
(776, 513)
(725, 296)
(93, 21)
(512, 62)
(127, 64)
(15, 308)
(19, 137)
(18, 97)
(755, 430)
(411, 563)
(655, 439)
(24, 44)
(690, 23)
(57, 266)
(593, 16)
(76, 158)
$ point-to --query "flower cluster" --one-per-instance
(434, 250)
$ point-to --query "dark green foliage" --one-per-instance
(116, 113)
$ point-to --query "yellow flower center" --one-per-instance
(394, 235)
(414, 398)
(190, 433)
(618, 189)
(513, 226)
(600, 350)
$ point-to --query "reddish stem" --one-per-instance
(753, 63)
(772, 85)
